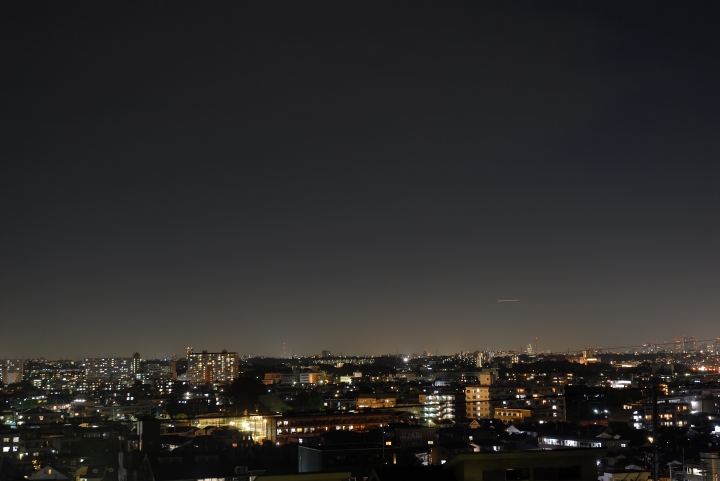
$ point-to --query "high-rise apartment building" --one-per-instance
(211, 366)
(159, 369)
(107, 368)
(136, 363)
(477, 397)
(12, 370)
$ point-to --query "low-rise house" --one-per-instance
(233, 437)
(411, 436)
(39, 416)
(93, 472)
(51, 472)
(448, 450)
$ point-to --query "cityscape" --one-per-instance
(126, 418)
(347, 240)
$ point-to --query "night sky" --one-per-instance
(360, 177)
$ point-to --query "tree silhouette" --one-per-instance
(243, 394)
(309, 401)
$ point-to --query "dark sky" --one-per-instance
(359, 177)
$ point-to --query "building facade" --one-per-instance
(12, 371)
(514, 402)
(376, 401)
(438, 406)
(107, 369)
(209, 367)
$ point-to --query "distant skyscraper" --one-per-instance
(326, 354)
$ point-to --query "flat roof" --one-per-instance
(543, 454)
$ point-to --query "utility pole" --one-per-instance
(656, 460)
(382, 427)
(684, 470)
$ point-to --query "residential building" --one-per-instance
(157, 369)
(291, 426)
(555, 441)
(546, 403)
(310, 377)
(376, 401)
(39, 416)
(672, 412)
(438, 406)
(707, 469)
(405, 436)
(9, 442)
(92, 472)
(107, 369)
(50, 472)
(340, 404)
(272, 378)
(512, 414)
(209, 367)
(136, 362)
(231, 436)
(12, 371)
(477, 396)
(289, 379)
(122, 413)
(635, 473)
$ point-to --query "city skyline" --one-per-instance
(677, 345)
(358, 177)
